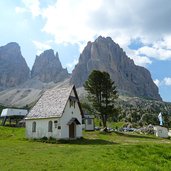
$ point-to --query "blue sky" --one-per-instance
(142, 28)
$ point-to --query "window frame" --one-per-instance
(59, 127)
(34, 126)
(50, 126)
(56, 123)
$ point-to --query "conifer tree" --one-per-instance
(102, 94)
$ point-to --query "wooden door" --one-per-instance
(72, 130)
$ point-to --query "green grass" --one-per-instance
(116, 124)
(95, 151)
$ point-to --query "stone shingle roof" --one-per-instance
(51, 103)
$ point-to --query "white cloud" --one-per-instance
(167, 81)
(80, 21)
(32, 6)
(167, 42)
(158, 53)
(141, 60)
(164, 82)
(157, 82)
(41, 46)
(67, 20)
(138, 60)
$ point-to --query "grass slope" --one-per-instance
(120, 152)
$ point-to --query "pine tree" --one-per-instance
(102, 94)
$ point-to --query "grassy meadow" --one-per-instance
(95, 151)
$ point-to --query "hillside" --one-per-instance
(135, 111)
(27, 93)
(138, 112)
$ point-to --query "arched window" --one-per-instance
(34, 126)
(50, 126)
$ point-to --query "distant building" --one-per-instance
(57, 114)
(12, 114)
(89, 122)
(161, 132)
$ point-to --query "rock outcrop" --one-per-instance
(105, 55)
(13, 68)
(47, 68)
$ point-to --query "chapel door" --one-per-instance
(72, 130)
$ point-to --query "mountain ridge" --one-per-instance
(47, 71)
(105, 55)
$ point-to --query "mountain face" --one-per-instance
(102, 54)
(47, 68)
(105, 55)
(13, 67)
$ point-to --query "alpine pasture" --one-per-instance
(95, 151)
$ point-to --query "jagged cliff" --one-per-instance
(102, 54)
(105, 55)
(13, 68)
(25, 86)
(48, 68)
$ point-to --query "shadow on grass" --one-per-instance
(84, 141)
(134, 135)
(81, 141)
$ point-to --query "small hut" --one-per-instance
(89, 122)
(12, 115)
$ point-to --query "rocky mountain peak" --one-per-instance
(47, 67)
(10, 50)
(13, 70)
(12, 46)
(106, 55)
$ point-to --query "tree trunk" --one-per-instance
(104, 120)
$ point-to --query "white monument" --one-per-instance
(161, 131)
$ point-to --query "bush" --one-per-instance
(44, 138)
